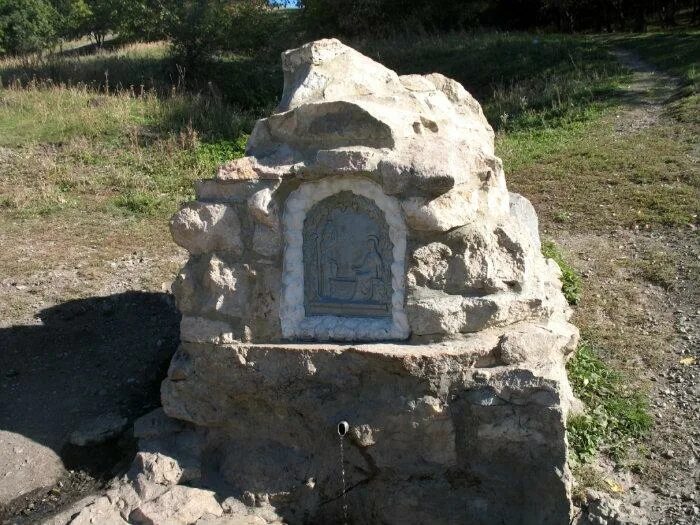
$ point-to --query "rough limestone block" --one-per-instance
(435, 313)
(201, 228)
(436, 132)
(178, 441)
(226, 288)
(267, 241)
(263, 317)
(523, 210)
(156, 424)
(124, 497)
(27, 466)
(230, 191)
(180, 505)
(203, 330)
(429, 266)
(211, 286)
(157, 468)
(248, 519)
(101, 511)
(264, 209)
(448, 211)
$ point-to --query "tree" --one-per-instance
(200, 28)
(106, 16)
(194, 26)
(72, 18)
(26, 26)
(143, 20)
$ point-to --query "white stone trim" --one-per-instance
(294, 322)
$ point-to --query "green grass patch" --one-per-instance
(615, 415)
(251, 82)
(676, 52)
(216, 153)
(570, 279)
(116, 153)
(140, 203)
(603, 179)
(656, 267)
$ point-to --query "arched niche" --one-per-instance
(344, 263)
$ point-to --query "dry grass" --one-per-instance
(141, 66)
(89, 176)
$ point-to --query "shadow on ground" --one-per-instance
(89, 357)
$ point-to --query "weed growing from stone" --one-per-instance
(570, 279)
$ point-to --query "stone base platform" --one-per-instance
(465, 431)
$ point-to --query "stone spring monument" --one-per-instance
(365, 263)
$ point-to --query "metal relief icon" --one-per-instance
(347, 258)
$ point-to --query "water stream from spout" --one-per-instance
(342, 477)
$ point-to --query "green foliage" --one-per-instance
(144, 20)
(26, 26)
(199, 29)
(367, 17)
(614, 415)
(105, 16)
(71, 18)
(570, 279)
(195, 28)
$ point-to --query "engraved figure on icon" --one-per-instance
(328, 263)
(369, 273)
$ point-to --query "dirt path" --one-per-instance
(643, 303)
(646, 95)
